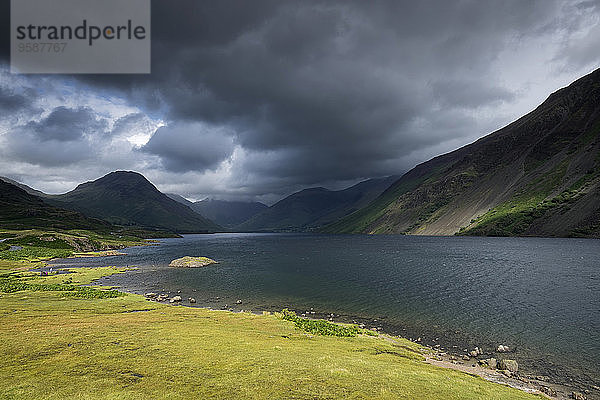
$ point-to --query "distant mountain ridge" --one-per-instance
(228, 213)
(128, 198)
(312, 208)
(538, 176)
(224, 212)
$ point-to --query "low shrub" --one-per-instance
(322, 327)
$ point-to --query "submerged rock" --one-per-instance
(192, 262)
(192, 300)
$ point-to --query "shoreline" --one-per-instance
(438, 356)
(446, 357)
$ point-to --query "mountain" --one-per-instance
(127, 198)
(538, 176)
(21, 210)
(228, 213)
(26, 188)
(312, 208)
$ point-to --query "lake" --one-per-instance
(540, 296)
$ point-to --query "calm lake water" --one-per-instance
(539, 296)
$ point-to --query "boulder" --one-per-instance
(509, 365)
(175, 299)
(192, 300)
(191, 262)
(474, 353)
(503, 349)
(491, 363)
(151, 295)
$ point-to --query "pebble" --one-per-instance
(548, 391)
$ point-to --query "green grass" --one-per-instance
(11, 283)
(57, 347)
(35, 253)
(47, 244)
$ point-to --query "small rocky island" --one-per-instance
(192, 262)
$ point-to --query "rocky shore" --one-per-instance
(498, 364)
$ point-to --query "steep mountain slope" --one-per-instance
(21, 210)
(26, 188)
(127, 198)
(228, 213)
(538, 176)
(315, 207)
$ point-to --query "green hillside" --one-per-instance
(21, 210)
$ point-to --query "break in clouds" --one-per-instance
(254, 100)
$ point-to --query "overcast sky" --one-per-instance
(258, 99)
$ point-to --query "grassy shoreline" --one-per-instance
(59, 346)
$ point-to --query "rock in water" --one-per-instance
(175, 299)
(192, 300)
(192, 262)
(509, 365)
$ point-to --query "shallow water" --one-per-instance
(540, 296)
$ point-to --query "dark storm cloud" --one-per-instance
(11, 101)
(337, 84)
(65, 124)
(299, 93)
(190, 146)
